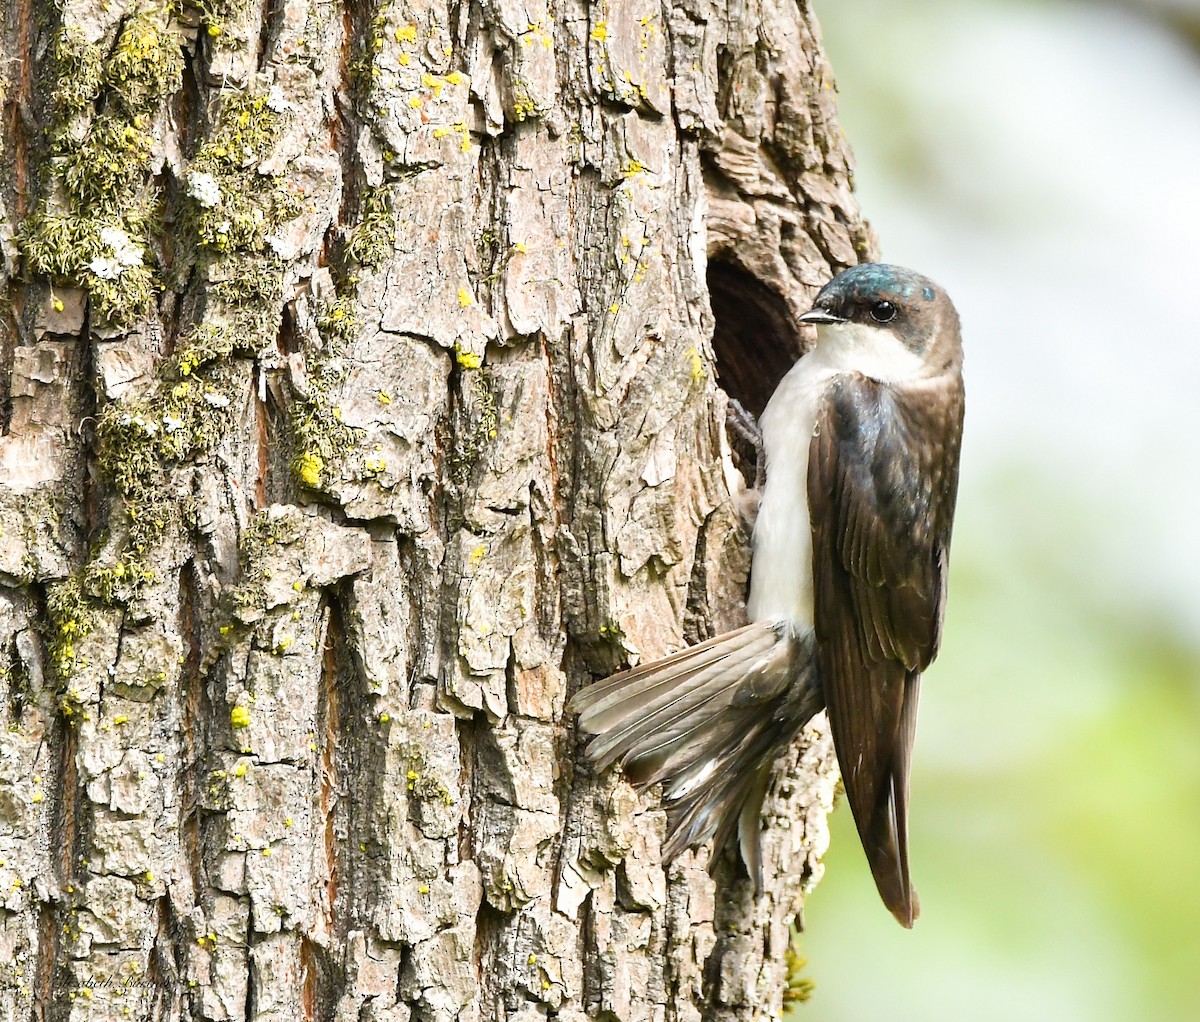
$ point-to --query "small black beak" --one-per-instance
(819, 315)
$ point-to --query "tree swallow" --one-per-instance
(847, 588)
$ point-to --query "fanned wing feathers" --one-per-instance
(882, 477)
(704, 722)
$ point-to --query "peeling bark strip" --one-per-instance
(360, 402)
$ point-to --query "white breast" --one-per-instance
(781, 575)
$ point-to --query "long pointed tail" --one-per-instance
(876, 782)
(708, 722)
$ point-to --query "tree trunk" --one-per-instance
(363, 373)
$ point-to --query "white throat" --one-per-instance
(874, 351)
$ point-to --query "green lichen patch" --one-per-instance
(799, 987)
(118, 581)
(482, 420)
(80, 74)
(106, 256)
(146, 65)
(373, 239)
(235, 208)
(94, 228)
(72, 615)
(250, 295)
(206, 344)
(139, 442)
(319, 436)
(261, 535)
(336, 319)
(102, 170)
(236, 213)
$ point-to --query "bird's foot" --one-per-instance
(745, 440)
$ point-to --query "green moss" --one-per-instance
(248, 205)
(481, 427)
(72, 615)
(374, 238)
(203, 346)
(146, 63)
(261, 534)
(215, 13)
(251, 297)
(126, 298)
(319, 436)
(99, 174)
(235, 211)
(80, 74)
(118, 582)
(799, 987)
(139, 442)
(58, 246)
(103, 171)
(74, 249)
(336, 319)
(320, 439)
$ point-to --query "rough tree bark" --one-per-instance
(361, 401)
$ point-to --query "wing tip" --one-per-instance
(887, 855)
(906, 909)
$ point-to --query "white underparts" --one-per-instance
(781, 576)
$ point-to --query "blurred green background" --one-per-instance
(1042, 160)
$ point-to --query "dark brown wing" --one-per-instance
(882, 478)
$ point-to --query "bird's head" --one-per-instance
(876, 305)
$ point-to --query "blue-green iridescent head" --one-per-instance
(909, 305)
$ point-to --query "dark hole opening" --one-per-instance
(754, 339)
(755, 343)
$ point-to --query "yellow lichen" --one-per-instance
(309, 467)
(467, 359)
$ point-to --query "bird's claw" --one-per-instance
(746, 442)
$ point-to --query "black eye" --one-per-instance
(883, 312)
